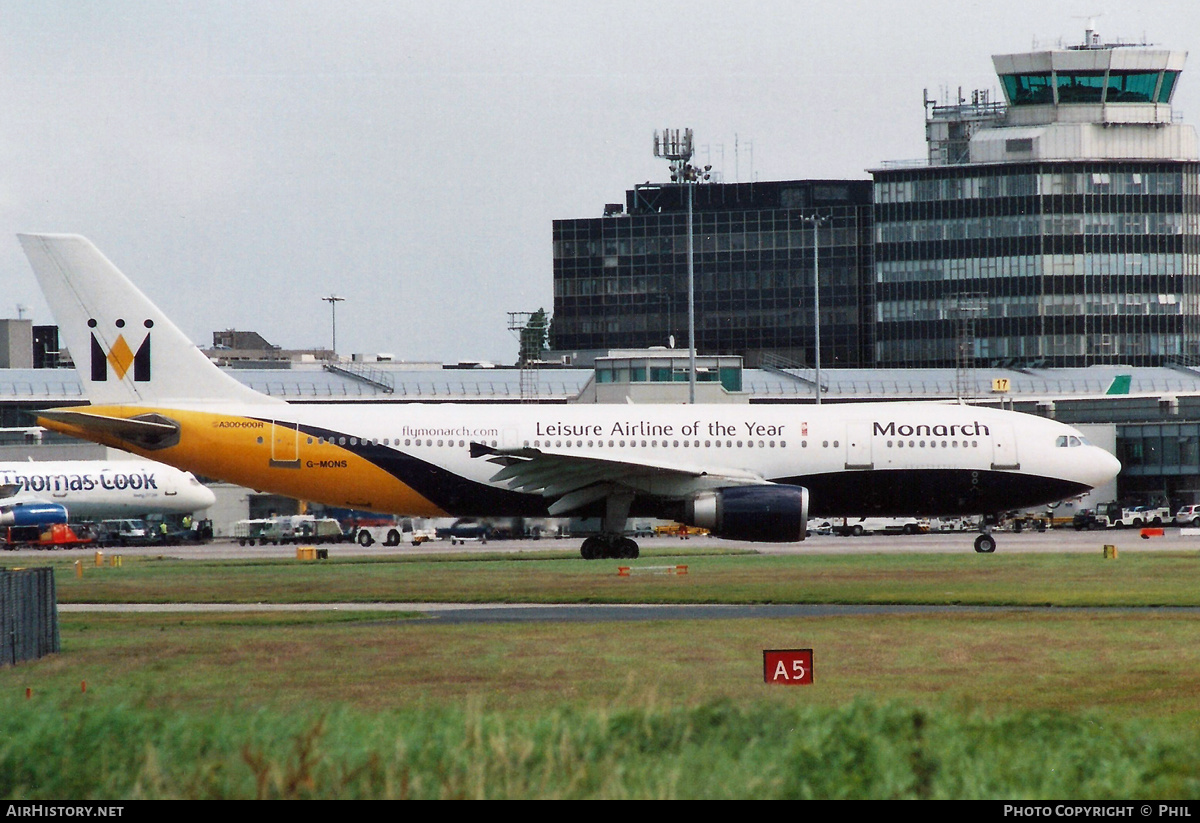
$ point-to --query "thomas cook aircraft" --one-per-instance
(33, 493)
(742, 472)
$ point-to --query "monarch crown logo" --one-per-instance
(121, 358)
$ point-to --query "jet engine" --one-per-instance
(767, 514)
(32, 514)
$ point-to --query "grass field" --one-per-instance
(1142, 579)
(1008, 703)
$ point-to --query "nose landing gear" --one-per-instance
(985, 543)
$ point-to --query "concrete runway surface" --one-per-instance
(1056, 540)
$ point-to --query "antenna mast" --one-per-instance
(677, 149)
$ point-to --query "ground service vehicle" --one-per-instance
(402, 530)
(1088, 520)
(248, 532)
(126, 532)
(1154, 515)
(284, 529)
(466, 530)
(51, 536)
(301, 528)
(1023, 521)
(1113, 515)
(312, 529)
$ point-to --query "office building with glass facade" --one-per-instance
(1059, 228)
(621, 280)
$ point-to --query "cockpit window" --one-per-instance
(1069, 441)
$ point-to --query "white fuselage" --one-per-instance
(105, 488)
(856, 458)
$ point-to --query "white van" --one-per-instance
(121, 532)
(855, 526)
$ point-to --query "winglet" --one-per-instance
(125, 349)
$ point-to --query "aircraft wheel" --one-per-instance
(364, 539)
(592, 549)
(985, 544)
(629, 549)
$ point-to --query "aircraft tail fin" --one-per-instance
(125, 349)
(1120, 384)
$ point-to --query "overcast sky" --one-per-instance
(242, 160)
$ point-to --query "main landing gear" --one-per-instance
(609, 546)
(612, 542)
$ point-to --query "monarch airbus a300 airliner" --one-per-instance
(744, 472)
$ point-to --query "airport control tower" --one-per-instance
(1067, 217)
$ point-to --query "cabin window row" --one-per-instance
(933, 444)
(656, 444)
(387, 441)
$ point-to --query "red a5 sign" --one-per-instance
(791, 667)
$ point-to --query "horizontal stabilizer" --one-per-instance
(148, 431)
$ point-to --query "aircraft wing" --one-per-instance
(8, 490)
(574, 480)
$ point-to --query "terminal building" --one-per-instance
(1059, 227)
(621, 280)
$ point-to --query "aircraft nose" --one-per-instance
(204, 497)
(1104, 467)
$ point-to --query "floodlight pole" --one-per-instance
(816, 221)
(691, 271)
(333, 300)
(677, 148)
